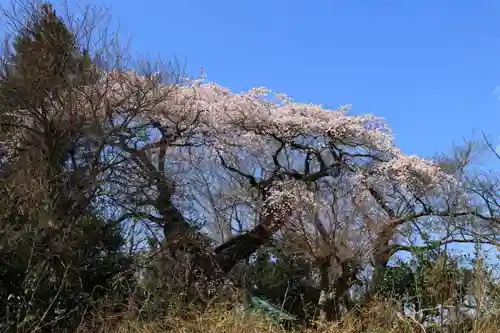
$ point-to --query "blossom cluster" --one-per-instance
(414, 173)
(248, 123)
(251, 125)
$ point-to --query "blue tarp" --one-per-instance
(261, 305)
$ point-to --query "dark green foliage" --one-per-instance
(428, 279)
(59, 274)
(284, 280)
(46, 60)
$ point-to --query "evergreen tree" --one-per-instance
(46, 60)
(36, 91)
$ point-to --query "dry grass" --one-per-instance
(380, 318)
(212, 321)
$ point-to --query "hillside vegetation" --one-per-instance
(134, 198)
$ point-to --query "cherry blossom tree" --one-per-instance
(283, 151)
(360, 226)
(155, 140)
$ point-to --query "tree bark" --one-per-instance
(382, 254)
(327, 308)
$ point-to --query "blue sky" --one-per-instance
(429, 67)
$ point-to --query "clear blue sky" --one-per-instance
(429, 67)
